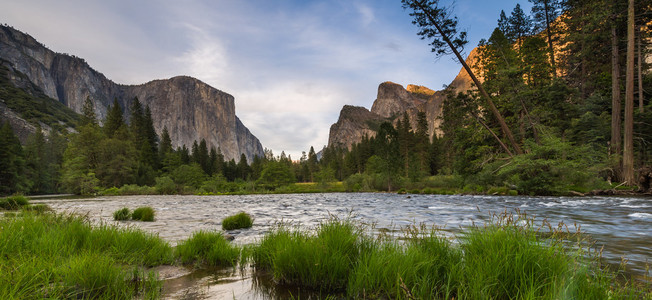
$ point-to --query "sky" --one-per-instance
(290, 64)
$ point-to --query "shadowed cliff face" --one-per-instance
(392, 101)
(191, 109)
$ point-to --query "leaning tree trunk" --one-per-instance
(616, 138)
(503, 125)
(628, 153)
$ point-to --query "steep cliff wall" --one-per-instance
(391, 102)
(191, 109)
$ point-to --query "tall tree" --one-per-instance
(422, 142)
(437, 24)
(88, 112)
(12, 162)
(545, 12)
(628, 153)
(114, 119)
(520, 24)
(312, 163)
(503, 24)
(616, 136)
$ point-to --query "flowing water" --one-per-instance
(623, 225)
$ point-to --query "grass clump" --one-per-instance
(209, 249)
(144, 213)
(322, 261)
(37, 208)
(58, 256)
(122, 214)
(237, 221)
(505, 259)
(13, 202)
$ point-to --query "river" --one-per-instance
(623, 225)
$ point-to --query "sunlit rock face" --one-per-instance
(392, 102)
(191, 109)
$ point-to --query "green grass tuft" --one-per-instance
(144, 213)
(207, 248)
(237, 221)
(122, 214)
(13, 202)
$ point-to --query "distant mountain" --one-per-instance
(391, 102)
(190, 108)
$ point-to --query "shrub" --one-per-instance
(237, 221)
(13, 202)
(122, 214)
(165, 186)
(207, 248)
(144, 213)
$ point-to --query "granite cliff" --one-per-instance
(190, 108)
(391, 102)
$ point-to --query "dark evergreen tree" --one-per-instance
(243, 168)
(184, 155)
(503, 24)
(202, 156)
(12, 162)
(312, 163)
(88, 113)
(520, 25)
(114, 119)
(544, 13)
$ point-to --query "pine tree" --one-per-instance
(422, 142)
(312, 163)
(12, 162)
(520, 25)
(165, 146)
(114, 119)
(545, 12)
(503, 24)
(88, 113)
(202, 156)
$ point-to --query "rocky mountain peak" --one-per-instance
(190, 109)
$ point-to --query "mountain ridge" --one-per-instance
(190, 108)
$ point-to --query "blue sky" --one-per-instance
(291, 65)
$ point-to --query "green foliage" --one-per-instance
(63, 256)
(206, 248)
(13, 202)
(190, 175)
(165, 186)
(237, 221)
(12, 162)
(554, 167)
(122, 214)
(144, 213)
(276, 174)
